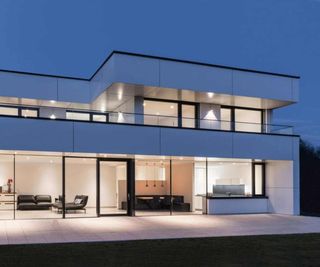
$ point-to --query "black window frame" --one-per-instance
(179, 106)
(233, 116)
(263, 165)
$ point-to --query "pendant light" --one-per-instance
(146, 169)
(154, 174)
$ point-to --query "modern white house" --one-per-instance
(146, 135)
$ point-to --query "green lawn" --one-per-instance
(276, 250)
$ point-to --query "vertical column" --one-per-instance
(63, 187)
(131, 187)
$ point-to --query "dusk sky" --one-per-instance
(74, 37)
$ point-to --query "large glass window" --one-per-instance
(7, 194)
(199, 186)
(188, 113)
(26, 112)
(113, 187)
(10, 111)
(229, 179)
(152, 187)
(160, 113)
(38, 185)
(79, 116)
(226, 119)
(258, 179)
(183, 191)
(80, 187)
(248, 120)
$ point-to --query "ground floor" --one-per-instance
(36, 185)
(152, 227)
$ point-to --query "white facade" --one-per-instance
(120, 86)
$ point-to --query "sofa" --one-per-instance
(34, 202)
(79, 203)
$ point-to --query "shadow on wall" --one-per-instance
(309, 179)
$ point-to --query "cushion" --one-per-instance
(27, 204)
(77, 201)
(44, 204)
(43, 198)
(26, 199)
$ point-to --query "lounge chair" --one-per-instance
(79, 203)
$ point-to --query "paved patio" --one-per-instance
(134, 228)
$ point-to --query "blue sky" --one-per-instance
(73, 37)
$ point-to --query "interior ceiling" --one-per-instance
(7, 155)
(118, 94)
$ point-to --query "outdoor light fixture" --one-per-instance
(210, 115)
(120, 117)
(210, 95)
(52, 117)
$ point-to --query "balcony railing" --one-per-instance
(55, 113)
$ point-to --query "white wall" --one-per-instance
(280, 186)
(38, 176)
(237, 206)
(6, 170)
(229, 174)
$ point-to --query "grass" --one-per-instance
(269, 250)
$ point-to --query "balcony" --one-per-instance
(94, 116)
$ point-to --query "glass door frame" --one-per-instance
(179, 104)
(130, 166)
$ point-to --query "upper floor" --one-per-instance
(146, 90)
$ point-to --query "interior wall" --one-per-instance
(81, 179)
(108, 186)
(38, 176)
(142, 189)
(182, 179)
(279, 186)
(230, 174)
(161, 188)
(6, 170)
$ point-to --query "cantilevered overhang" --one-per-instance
(120, 93)
(127, 74)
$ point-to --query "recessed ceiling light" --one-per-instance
(52, 117)
(52, 101)
(210, 95)
(172, 106)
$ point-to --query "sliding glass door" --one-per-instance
(113, 186)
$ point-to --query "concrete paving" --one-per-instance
(156, 227)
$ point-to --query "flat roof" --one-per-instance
(152, 57)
